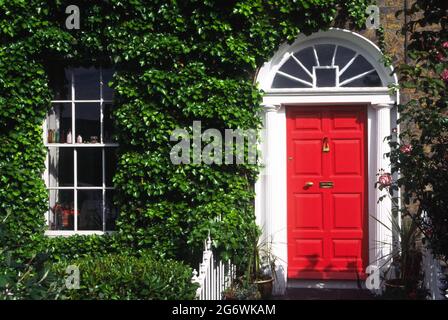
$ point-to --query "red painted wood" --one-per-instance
(327, 228)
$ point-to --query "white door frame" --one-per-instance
(271, 187)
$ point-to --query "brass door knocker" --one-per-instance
(325, 145)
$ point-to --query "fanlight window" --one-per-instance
(326, 65)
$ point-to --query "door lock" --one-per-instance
(309, 184)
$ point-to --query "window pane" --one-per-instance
(343, 56)
(61, 210)
(281, 81)
(90, 206)
(60, 167)
(87, 122)
(89, 167)
(325, 77)
(306, 56)
(111, 165)
(292, 68)
(87, 83)
(108, 123)
(108, 93)
(325, 53)
(358, 66)
(59, 81)
(59, 122)
(370, 80)
(111, 210)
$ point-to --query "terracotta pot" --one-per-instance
(394, 284)
(265, 287)
(397, 290)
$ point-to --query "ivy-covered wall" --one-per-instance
(175, 62)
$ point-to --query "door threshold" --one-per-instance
(326, 284)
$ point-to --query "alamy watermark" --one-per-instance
(73, 20)
(373, 20)
(373, 281)
(228, 146)
(72, 280)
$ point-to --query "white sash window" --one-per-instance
(81, 158)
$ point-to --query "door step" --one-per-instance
(326, 284)
(326, 290)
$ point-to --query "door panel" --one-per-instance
(306, 203)
(327, 219)
(307, 164)
(342, 164)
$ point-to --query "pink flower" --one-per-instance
(445, 45)
(439, 56)
(385, 179)
(444, 75)
(407, 148)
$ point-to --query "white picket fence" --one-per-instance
(435, 279)
(213, 277)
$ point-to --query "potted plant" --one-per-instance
(261, 267)
(403, 278)
(404, 272)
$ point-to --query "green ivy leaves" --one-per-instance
(176, 62)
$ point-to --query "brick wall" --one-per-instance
(394, 38)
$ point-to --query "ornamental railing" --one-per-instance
(435, 276)
(213, 277)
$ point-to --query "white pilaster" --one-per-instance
(274, 228)
(269, 161)
(383, 233)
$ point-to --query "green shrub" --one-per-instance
(79, 246)
(128, 277)
(29, 279)
(24, 277)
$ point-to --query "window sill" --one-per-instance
(68, 233)
(59, 145)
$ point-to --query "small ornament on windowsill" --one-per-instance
(50, 136)
(93, 139)
(79, 139)
(56, 136)
(69, 137)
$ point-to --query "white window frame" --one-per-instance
(101, 145)
(286, 52)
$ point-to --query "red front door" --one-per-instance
(326, 192)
